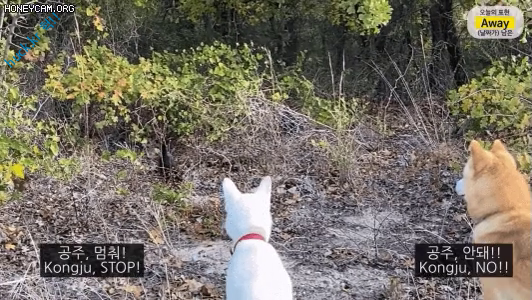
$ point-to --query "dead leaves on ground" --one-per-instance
(181, 289)
(135, 290)
(173, 262)
(10, 237)
(156, 236)
(114, 287)
(188, 288)
(200, 220)
(291, 195)
(394, 289)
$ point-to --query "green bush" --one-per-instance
(363, 16)
(209, 89)
(27, 142)
(166, 195)
(203, 89)
(498, 102)
(26, 145)
(338, 113)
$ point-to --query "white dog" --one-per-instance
(255, 271)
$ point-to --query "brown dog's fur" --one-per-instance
(498, 201)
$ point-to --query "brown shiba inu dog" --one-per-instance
(498, 201)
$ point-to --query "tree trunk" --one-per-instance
(453, 43)
(339, 49)
(223, 22)
(276, 37)
(237, 25)
(444, 33)
(292, 44)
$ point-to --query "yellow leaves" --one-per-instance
(18, 170)
(191, 285)
(100, 95)
(276, 97)
(54, 87)
(98, 23)
(54, 148)
(133, 289)
(90, 11)
(93, 11)
(122, 82)
(207, 291)
(117, 95)
(72, 95)
(12, 235)
(524, 161)
(525, 121)
(188, 93)
(156, 236)
(148, 94)
(52, 69)
(13, 93)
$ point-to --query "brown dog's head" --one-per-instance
(489, 180)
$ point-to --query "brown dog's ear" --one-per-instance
(473, 144)
(498, 146)
(480, 158)
(499, 149)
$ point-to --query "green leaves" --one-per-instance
(199, 89)
(361, 16)
(13, 94)
(126, 154)
(493, 101)
(498, 101)
(98, 76)
(206, 87)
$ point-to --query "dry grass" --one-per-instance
(348, 207)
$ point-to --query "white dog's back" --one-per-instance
(255, 271)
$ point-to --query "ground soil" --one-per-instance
(338, 239)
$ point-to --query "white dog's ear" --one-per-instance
(230, 190)
(265, 186)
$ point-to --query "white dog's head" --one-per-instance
(247, 212)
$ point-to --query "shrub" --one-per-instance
(202, 89)
(27, 145)
(338, 113)
(498, 103)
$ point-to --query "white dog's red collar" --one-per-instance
(249, 236)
